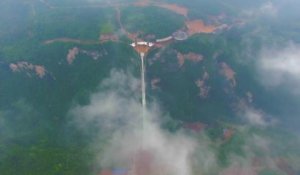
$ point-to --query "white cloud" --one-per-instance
(115, 117)
(255, 117)
(267, 9)
(117, 111)
(280, 67)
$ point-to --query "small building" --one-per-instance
(142, 47)
(166, 39)
(195, 127)
(227, 133)
(115, 171)
(144, 162)
(180, 35)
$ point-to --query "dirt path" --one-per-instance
(132, 36)
(118, 17)
(46, 3)
(71, 40)
(175, 8)
(193, 27)
(78, 41)
(143, 3)
(198, 26)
